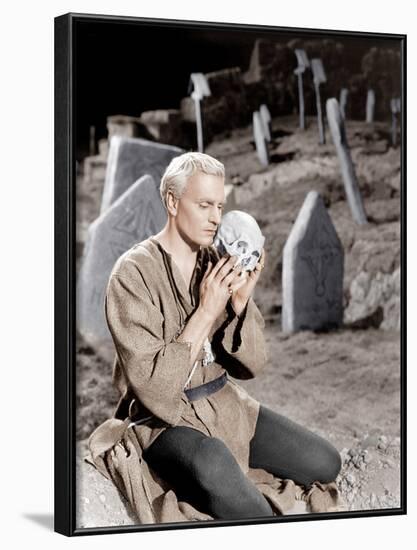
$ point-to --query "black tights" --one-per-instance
(203, 471)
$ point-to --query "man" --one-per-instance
(182, 319)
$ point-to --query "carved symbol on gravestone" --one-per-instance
(140, 221)
(319, 257)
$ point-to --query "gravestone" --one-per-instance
(199, 82)
(344, 92)
(131, 158)
(260, 139)
(370, 106)
(266, 120)
(395, 105)
(337, 130)
(136, 215)
(303, 64)
(312, 275)
(319, 77)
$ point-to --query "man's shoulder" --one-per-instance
(137, 259)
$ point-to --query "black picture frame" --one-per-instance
(65, 258)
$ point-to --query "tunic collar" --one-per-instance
(189, 297)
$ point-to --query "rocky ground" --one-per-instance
(345, 385)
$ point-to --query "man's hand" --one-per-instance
(243, 291)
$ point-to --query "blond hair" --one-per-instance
(181, 168)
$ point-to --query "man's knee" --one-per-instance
(213, 465)
(327, 464)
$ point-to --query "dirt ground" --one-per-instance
(345, 384)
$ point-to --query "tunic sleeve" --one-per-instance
(240, 342)
(155, 370)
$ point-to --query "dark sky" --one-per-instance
(126, 67)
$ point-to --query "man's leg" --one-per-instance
(203, 472)
(290, 451)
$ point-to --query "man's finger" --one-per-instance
(239, 284)
(226, 267)
(208, 271)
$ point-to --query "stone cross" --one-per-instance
(312, 275)
(266, 120)
(260, 139)
(338, 132)
(344, 92)
(131, 158)
(199, 82)
(319, 77)
(395, 105)
(370, 106)
(134, 216)
(303, 64)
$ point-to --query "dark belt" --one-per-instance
(206, 389)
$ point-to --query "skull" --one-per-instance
(240, 235)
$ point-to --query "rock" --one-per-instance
(164, 125)
(98, 502)
(370, 294)
(370, 441)
(350, 478)
(123, 125)
(382, 443)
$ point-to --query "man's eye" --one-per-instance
(203, 205)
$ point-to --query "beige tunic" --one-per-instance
(147, 307)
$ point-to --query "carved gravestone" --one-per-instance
(266, 120)
(260, 139)
(131, 158)
(312, 277)
(135, 216)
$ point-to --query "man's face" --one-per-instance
(200, 208)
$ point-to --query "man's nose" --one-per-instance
(215, 215)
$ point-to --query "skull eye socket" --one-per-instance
(243, 245)
(255, 253)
